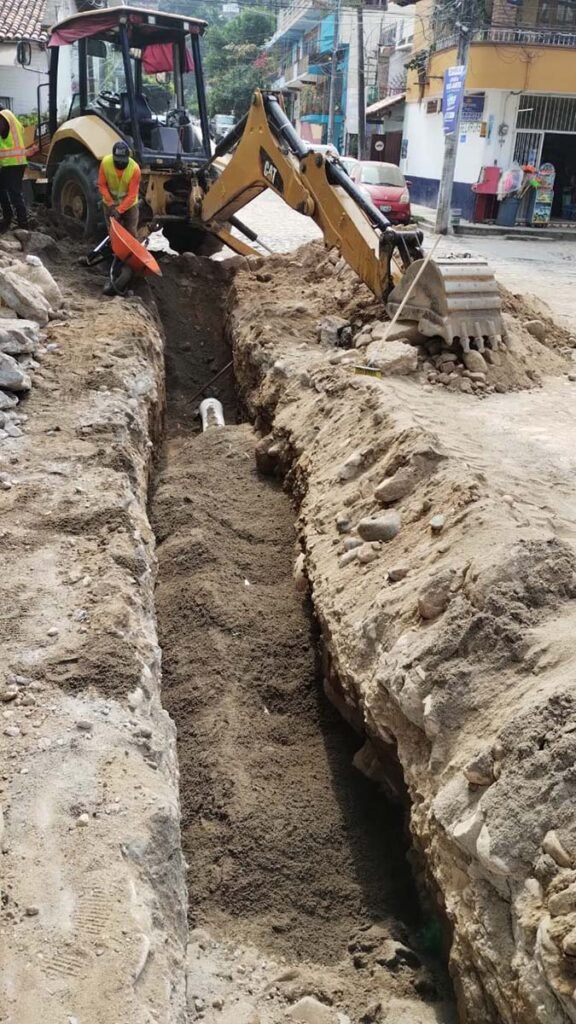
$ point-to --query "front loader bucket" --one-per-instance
(455, 299)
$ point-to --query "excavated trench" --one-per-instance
(290, 850)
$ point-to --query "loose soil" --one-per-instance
(290, 850)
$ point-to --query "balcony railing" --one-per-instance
(299, 7)
(512, 36)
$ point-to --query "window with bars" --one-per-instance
(528, 147)
(547, 113)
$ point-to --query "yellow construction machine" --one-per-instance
(194, 190)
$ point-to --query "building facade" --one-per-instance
(28, 21)
(386, 108)
(307, 33)
(520, 95)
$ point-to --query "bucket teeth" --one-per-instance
(455, 299)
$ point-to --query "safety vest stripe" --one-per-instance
(12, 148)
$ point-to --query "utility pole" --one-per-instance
(333, 76)
(361, 83)
(443, 225)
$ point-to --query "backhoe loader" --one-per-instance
(195, 190)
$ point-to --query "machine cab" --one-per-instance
(140, 74)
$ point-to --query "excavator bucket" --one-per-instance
(455, 299)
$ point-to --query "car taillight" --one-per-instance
(405, 197)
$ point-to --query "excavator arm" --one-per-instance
(267, 153)
(452, 298)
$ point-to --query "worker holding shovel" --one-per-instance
(119, 184)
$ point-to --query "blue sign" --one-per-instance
(454, 79)
(473, 108)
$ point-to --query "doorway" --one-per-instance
(559, 149)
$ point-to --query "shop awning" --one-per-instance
(385, 104)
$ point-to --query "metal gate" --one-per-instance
(528, 148)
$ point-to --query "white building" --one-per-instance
(28, 21)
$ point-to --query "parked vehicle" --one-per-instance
(221, 124)
(387, 188)
(348, 163)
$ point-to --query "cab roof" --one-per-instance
(145, 27)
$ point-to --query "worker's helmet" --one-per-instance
(121, 155)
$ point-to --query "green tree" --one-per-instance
(235, 63)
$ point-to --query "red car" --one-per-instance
(386, 186)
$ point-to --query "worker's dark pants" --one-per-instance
(11, 198)
(128, 219)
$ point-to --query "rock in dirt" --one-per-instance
(7, 401)
(564, 902)
(349, 556)
(398, 573)
(34, 271)
(18, 337)
(11, 376)
(434, 598)
(552, 846)
(23, 297)
(351, 468)
(396, 487)
(437, 523)
(367, 553)
(382, 528)
(267, 454)
(310, 1011)
(569, 943)
(480, 770)
(335, 330)
(13, 430)
(536, 328)
(393, 358)
(10, 245)
(343, 522)
(402, 329)
(35, 242)
(475, 361)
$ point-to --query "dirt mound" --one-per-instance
(319, 302)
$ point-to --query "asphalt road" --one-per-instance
(543, 267)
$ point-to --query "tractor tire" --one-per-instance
(75, 195)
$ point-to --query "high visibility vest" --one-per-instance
(12, 148)
(119, 186)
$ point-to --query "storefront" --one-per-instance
(546, 133)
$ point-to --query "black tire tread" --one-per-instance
(85, 169)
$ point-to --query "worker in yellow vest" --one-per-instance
(119, 184)
(12, 167)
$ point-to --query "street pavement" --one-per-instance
(542, 267)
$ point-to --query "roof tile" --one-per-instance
(22, 20)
